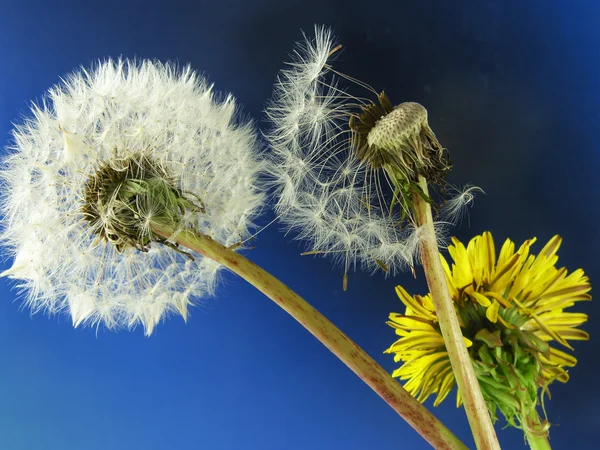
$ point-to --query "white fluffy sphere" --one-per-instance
(118, 109)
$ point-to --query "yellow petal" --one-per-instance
(552, 246)
(411, 303)
(568, 291)
(458, 399)
(558, 318)
(418, 340)
(489, 253)
(445, 387)
(474, 250)
(523, 260)
(560, 303)
(504, 268)
(498, 298)
(541, 324)
(481, 299)
(492, 312)
(571, 334)
(462, 265)
(403, 322)
(545, 281)
(561, 358)
(506, 252)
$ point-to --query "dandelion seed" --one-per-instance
(455, 207)
(108, 153)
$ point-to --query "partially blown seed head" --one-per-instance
(345, 168)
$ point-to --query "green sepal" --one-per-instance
(503, 398)
(492, 340)
(422, 194)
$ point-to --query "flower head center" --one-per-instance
(399, 140)
(124, 198)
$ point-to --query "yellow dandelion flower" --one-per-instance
(512, 311)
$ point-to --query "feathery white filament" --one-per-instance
(338, 204)
(105, 115)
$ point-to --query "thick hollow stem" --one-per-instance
(536, 441)
(468, 386)
(425, 423)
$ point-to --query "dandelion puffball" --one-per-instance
(78, 182)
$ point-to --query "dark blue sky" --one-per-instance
(512, 89)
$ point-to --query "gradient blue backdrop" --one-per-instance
(512, 89)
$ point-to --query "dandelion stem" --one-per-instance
(423, 421)
(536, 440)
(468, 386)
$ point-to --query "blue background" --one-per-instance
(512, 89)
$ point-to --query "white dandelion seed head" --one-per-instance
(336, 202)
(119, 110)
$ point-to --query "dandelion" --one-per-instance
(126, 192)
(80, 187)
(353, 177)
(512, 311)
(345, 167)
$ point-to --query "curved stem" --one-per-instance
(468, 386)
(425, 423)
